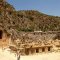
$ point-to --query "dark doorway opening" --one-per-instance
(1, 34)
(27, 51)
(48, 48)
(43, 49)
(37, 50)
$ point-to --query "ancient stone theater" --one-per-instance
(31, 42)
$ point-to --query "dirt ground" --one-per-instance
(7, 55)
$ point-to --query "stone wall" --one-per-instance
(4, 39)
(37, 42)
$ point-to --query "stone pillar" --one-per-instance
(34, 50)
(51, 49)
(40, 50)
(30, 51)
(46, 49)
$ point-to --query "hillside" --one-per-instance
(26, 20)
(36, 21)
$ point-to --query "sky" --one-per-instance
(50, 7)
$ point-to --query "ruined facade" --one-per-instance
(31, 42)
(38, 42)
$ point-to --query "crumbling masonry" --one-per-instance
(31, 42)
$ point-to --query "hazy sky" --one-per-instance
(50, 7)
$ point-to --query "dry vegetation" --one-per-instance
(13, 22)
(28, 20)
